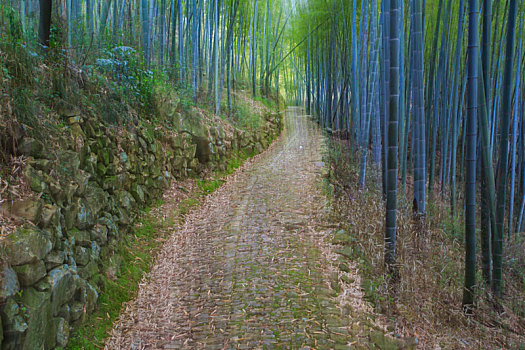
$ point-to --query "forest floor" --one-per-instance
(426, 302)
(254, 266)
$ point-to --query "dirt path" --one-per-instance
(250, 269)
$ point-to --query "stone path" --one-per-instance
(249, 269)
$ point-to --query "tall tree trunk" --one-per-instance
(145, 30)
(254, 49)
(151, 32)
(419, 110)
(69, 23)
(181, 42)
(470, 165)
(89, 16)
(195, 60)
(216, 60)
(391, 190)
(104, 18)
(514, 140)
(503, 160)
(44, 27)
(162, 30)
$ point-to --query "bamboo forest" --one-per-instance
(262, 174)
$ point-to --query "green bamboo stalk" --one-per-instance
(392, 160)
(504, 149)
(471, 135)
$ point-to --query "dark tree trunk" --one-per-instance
(44, 29)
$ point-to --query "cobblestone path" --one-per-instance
(248, 269)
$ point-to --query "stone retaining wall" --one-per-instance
(89, 191)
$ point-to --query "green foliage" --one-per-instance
(244, 116)
(209, 186)
(269, 103)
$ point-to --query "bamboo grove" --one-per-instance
(430, 92)
(205, 45)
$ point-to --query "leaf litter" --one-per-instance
(254, 266)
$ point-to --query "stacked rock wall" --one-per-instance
(87, 193)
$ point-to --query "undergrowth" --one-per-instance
(426, 303)
(40, 89)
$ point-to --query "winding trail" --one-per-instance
(250, 268)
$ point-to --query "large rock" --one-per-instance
(85, 217)
(69, 162)
(80, 237)
(62, 285)
(8, 283)
(100, 234)
(178, 162)
(81, 179)
(40, 331)
(30, 147)
(15, 326)
(91, 298)
(199, 137)
(31, 273)
(96, 199)
(28, 209)
(190, 151)
(77, 311)
(81, 256)
(54, 259)
(27, 245)
(62, 332)
(126, 200)
(110, 223)
(50, 216)
(10, 309)
(137, 193)
(35, 179)
(88, 271)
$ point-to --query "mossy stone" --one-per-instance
(39, 320)
(100, 234)
(14, 325)
(49, 216)
(41, 164)
(29, 209)
(126, 200)
(88, 271)
(137, 193)
(77, 311)
(31, 273)
(62, 332)
(81, 256)
(35, 179)
(80, 237)
(31, 147)
(69, 162)
(62, 285)
(27, 245)
(8, 283)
